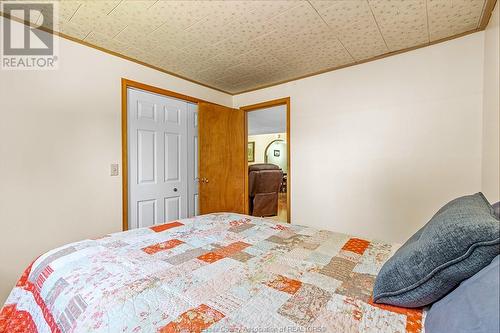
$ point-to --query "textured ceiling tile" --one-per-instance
(172, 36)
(131, 9)
(94, 8)
(93, 15)
(73, 30)
(239, 45)
(353, 23)
(201, 49)
(210, 29)
(403, 23)
(254, 58)
(139, 15)
(249, 27)
(267, 9)
(181, 14)
(271, 41)
(223, 60)
(130, 36)
(300, 18)
(321, 5)
(451, 17)
(212, 72)
(108, 26)
(332, 54)
(233, 10)
(104, 41)
(67, 9)
(233, 46)
(174, 60)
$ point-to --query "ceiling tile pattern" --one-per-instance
(238, 45)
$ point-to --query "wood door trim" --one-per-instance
(125, 84)
(142, 86)
(263, 105)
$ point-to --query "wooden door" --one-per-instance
(222, 163)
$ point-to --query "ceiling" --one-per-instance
(267, 121)
(236, 46)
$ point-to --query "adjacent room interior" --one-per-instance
(268, 161)
(249, 166)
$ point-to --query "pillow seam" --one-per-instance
(437, 269)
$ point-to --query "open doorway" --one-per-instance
(268, 146)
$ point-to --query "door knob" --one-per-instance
(175, 189)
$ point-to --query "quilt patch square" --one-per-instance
(185, 256)
(338, 268)
(303, 307)
(241, 256)
(211, 257)
(282, 283)
(170, 244)
(231, 249)
(194, 320)
(358, 286)
(241, 227)
(166, 226)
(356, 245)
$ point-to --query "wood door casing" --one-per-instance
(222, 159)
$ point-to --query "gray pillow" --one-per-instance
(496, 209)
(461, 239)
(473, 307)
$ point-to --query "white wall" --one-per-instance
(491, 107)
(59, 132)
(261, 142)
(377, 148)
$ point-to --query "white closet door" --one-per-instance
(157, 150)
(193, 160)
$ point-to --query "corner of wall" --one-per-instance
(490, 162)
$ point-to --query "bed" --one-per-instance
(214, 273)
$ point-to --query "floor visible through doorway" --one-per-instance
(282, 208)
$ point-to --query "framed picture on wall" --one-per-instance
(251, 151)
(276, 153)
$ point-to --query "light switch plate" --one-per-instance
(115, 169)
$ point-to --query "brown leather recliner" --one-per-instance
(264, 181)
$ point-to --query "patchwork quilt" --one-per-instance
(213, 273)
